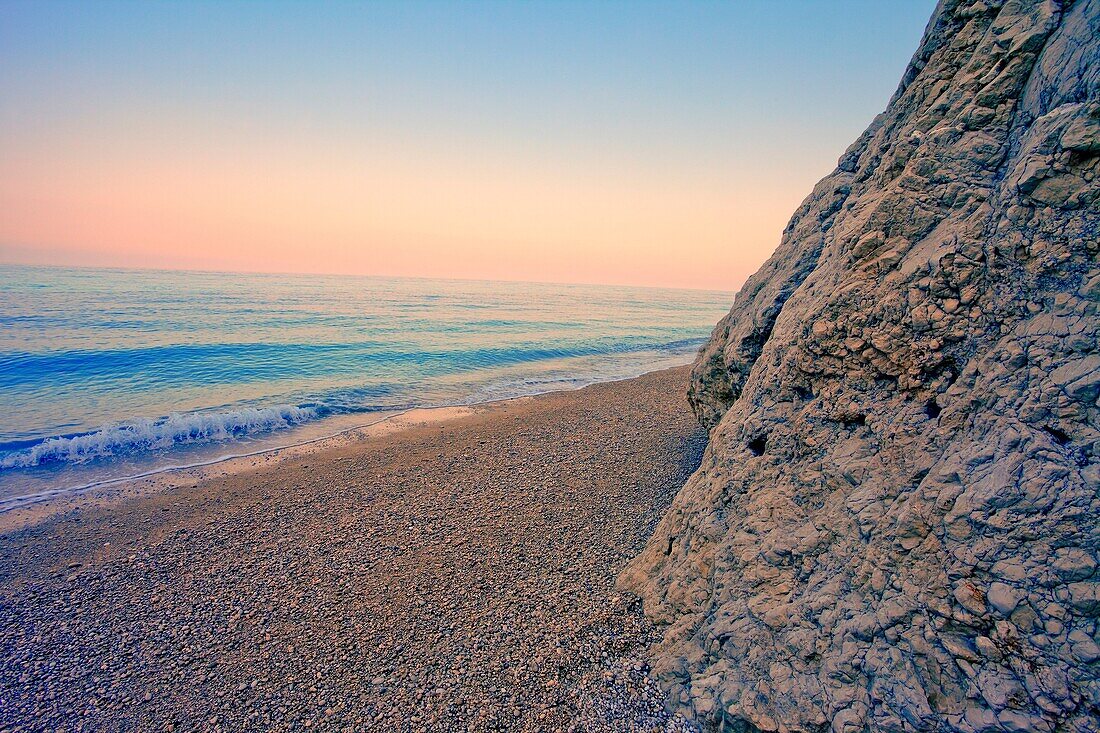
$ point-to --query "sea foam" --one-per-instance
(85, 354)
(145, 434)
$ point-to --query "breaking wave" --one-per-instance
(145, 434)
(134, 436)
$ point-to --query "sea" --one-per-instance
(108, 374)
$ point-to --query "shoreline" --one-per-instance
(452, 574)
(43, 505)
(20, 510)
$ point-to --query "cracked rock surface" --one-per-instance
(896, 523)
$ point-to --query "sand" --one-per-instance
(447, 573)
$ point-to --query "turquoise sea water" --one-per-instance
(110, 373)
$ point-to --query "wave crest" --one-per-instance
(146, 434)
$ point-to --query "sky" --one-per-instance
(642, 143)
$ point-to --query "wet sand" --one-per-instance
(446, 572)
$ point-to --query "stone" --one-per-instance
(1083, 135)
(1004, 598)
(1073, 563)
(915, 373)
(1085, 597)
(1083, 646)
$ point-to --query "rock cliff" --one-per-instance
(896, 525)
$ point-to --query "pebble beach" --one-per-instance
(450, 575)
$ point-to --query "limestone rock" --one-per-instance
(896, 526)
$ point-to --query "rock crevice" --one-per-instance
(896, 525)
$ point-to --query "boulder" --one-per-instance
(896, 525)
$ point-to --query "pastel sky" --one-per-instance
(609, 142)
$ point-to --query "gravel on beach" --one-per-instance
(449, 577)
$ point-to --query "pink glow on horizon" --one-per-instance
(384, 213)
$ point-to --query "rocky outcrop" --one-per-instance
(896, 525)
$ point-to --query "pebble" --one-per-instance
(413, 582)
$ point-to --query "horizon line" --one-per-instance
(191, 270)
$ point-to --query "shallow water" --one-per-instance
(108, 373)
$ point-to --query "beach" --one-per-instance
(453, 571)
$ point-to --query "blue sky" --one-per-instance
(717, 98)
